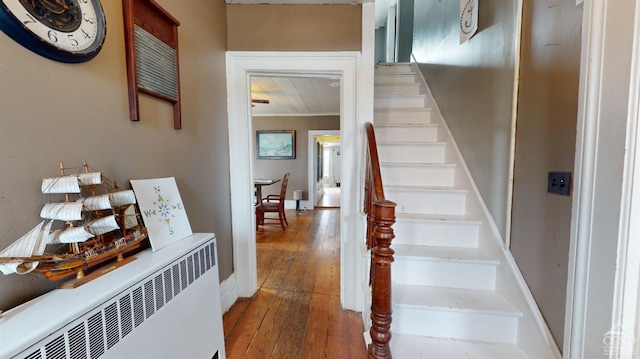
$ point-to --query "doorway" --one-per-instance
(325, 168)
(240, 66)
(329, 164)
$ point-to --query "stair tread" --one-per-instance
(425, 188)
(426, 109)
(385, 73)
(415, 164)
(392, 78)
(461, 254)
(412, 346)
(437, 217)
(456, 299)
(401, 125)
(391, 65)
(382, 84)
(413, 143)
(411, 125)
(402, 95)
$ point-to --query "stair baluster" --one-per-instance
(380, 217)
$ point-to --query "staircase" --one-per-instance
(456, 291)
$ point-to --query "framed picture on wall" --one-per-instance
(276, 145)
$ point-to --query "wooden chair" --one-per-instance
(273, 203)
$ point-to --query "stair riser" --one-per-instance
(407, 133)
(419, 153)
(402, 101)
(394, 78)
(428, 202)
(499, 327)
(394, 69)
(432, 176)
(398, 89)
(444, 273)
(440, 323)
(429, 233)
(419, 116)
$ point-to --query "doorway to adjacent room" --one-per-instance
(325, 169)
(240, 67)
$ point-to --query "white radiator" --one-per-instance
(163, 305)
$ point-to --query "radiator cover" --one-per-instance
(163, 305)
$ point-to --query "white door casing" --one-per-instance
(240, 66)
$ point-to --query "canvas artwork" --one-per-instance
(276, 145)
(162, 211)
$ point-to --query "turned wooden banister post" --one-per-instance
(381, 259)
(380, 217)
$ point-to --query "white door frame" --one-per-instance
(311, 202)
(240, 66)
(603, 273)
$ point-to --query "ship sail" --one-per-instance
(122, 198)
(65, 184)
(70, 184)
(65, 211)
(32, 243)
(103, 225)
(130, 217)
(90, 178)
(81, 234)
(70, 235)
(96, 203)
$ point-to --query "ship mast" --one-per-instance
(74, 247)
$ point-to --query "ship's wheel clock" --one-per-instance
(62, 30)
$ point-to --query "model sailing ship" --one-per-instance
(93, 220)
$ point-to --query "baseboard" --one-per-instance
(289, 204)
(534, 310)
(228, 292)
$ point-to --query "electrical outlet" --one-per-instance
(559, 183)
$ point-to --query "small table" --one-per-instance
(258, 183)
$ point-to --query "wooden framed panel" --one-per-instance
(151, 41)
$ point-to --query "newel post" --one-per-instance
(381, 259)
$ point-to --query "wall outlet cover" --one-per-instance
(559, 183)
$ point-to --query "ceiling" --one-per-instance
(296, 96)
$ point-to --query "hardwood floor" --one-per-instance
(296, 313)
(330, 198)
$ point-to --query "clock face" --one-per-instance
(62, 30)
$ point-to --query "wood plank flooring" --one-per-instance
(330, 198)
(296, 313)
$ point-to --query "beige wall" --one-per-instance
(294, 27)
(298, 168)
(545, 142)
(52, 112)
(472, 84)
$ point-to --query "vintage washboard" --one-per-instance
(151, 41)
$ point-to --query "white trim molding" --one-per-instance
(228, 292)
(240, 66)
(627, 283)
(602, 284)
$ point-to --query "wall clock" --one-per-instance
(61, 30)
